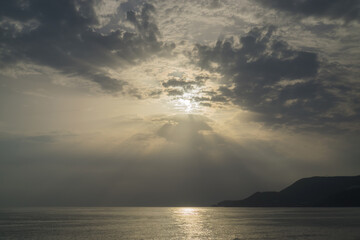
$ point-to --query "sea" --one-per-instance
(180, 223)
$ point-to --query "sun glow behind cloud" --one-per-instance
(187, 103)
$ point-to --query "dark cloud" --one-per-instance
(155, 93)
(178, 86)
(179, 81)
(219, 96)
(174, 92)
(182, 83)
(62, 35)
(284, 85)
(335, 9)
(174, 82)
(205, 104)
(215, 4)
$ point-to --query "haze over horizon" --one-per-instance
(174, 103)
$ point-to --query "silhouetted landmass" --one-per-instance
(307, 192)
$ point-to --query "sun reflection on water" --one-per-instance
(188, 211)
(191, 222)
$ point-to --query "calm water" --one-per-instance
(180, 223)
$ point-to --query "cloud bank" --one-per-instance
(284, 85)
(62, 35)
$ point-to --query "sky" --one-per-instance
(174, 103)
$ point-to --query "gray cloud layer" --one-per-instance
(61, 35)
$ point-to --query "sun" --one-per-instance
(187, 103)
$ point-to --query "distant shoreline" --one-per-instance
(313, 192)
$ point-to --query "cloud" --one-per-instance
(155, 93)
(174, 92)
(286, 86)
(178, 85)
(214, 4)
(63, 35)
(177, 82)
(347, 10)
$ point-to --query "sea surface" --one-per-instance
(180, 223)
